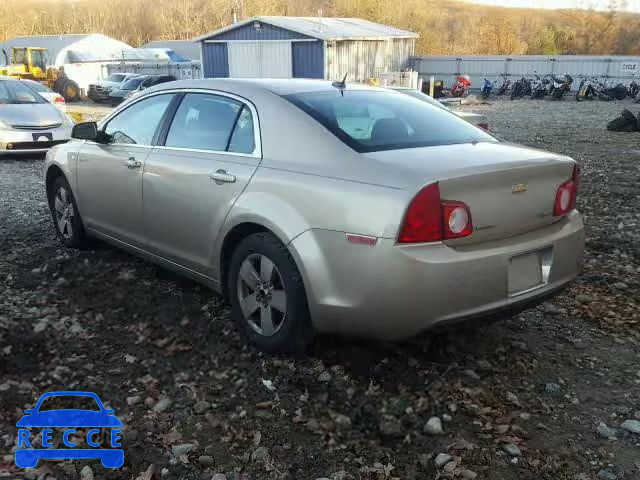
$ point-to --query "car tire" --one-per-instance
(257, 311)
(70, 91)
(65, 215)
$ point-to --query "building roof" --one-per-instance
(71, 48)
(185, 48)
(323, 28)
(153, 54)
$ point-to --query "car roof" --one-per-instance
(279, 86)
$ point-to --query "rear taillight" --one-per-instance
(567, 194)
(456, 219)
(430, 219)
(484, 126)
(59, 99)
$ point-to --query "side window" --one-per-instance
(138, 123)
(206, 122)
(5, 97)
(242, 138)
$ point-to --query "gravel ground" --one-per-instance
(542, 395)
(89, 110)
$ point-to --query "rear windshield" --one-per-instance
(15, 92)
(68, 402)
(133, 83)
(371, 121)
(116, 77)
(422, 96)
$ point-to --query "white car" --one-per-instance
(48, 94)
(28, 123)
(476, 118)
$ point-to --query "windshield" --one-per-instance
(14, 92)
(132, 84)
(38, 87)
(116, 77)
(375, 120)
(68, 402)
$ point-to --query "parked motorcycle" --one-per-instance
(590, 89)
(504, 86)
(487, 87)
(559, 85)
(461, 86)
(619, 92)
(634, 91)
(521, 88)
(539, 87)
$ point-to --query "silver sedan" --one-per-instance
(28, 123)
(321, 207)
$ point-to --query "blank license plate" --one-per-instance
(525, 272)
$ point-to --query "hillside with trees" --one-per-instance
(446, 27)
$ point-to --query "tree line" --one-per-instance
(446, 27)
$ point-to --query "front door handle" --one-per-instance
(221, 176)
(133, 163)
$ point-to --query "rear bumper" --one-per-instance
(25, 141)
(393, 291)
(97, 95)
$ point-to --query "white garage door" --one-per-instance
(260, 59)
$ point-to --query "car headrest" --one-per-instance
(388, 130)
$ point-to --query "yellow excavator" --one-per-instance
(30, 63)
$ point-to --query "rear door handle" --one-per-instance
(221, 176)
(133, 163)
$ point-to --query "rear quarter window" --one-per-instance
(375, 120)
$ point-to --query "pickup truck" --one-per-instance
(99, 91)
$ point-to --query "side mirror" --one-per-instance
(28, 410)
(109, 411)
(85, 131)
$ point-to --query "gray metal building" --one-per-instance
(306, 47)
(613, 69)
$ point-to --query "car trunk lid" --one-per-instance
(508, 189)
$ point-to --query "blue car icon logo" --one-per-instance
(69, 420)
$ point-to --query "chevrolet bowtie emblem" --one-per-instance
(519, 187)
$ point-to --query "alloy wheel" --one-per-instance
(262, 295)
(64, 212)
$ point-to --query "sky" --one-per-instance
(631, 5)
